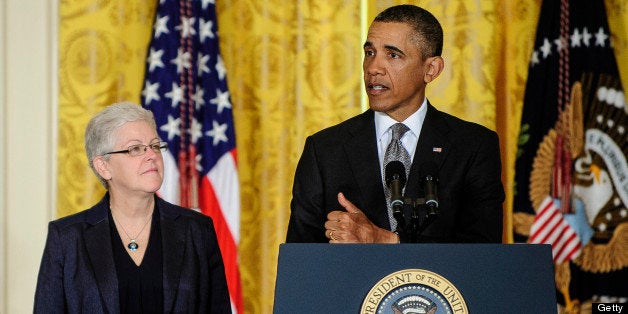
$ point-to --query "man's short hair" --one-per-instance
(427, 27)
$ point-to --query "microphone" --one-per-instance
(430, 183)
(428, 171)
(395, 181)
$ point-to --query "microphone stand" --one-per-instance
(401, 226)
(414, 224)
(417, 224)
(430, 216)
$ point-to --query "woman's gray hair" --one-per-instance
(100, 131)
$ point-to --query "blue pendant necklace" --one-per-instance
(132, 245)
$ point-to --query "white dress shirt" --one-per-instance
(409, 139)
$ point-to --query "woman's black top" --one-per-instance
(140, 288)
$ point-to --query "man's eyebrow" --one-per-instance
(393, 48)
(369, 44)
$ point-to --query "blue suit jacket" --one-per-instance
(78, 275)
(343, 158)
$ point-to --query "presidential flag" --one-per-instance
(571, 170)
(186, 89)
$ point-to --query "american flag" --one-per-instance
(550, 227)
(186, 89)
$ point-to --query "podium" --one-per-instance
(443, 278)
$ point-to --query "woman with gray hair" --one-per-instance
(132, 252)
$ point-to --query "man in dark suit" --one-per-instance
(339, 189)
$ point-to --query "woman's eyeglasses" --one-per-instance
(140, 149)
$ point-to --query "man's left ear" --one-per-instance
(435, 66)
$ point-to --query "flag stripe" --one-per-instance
(542, 220)
(226, 186)
(564, 235)
(170, 192)
(550, 227)
(211, 207)
(568, 248)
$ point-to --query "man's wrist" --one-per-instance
(392, 237)
(398, 237)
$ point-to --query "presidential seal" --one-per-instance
(414, 291)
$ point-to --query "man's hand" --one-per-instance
(352, 226)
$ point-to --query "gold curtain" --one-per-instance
(102, 50)
(294, 67)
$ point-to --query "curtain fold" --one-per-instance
(294, 67)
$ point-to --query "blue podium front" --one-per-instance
(415, 278)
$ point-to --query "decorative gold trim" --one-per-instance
(541, 175)
(603, 258)
(522, 222)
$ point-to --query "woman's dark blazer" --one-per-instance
(78, 275)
